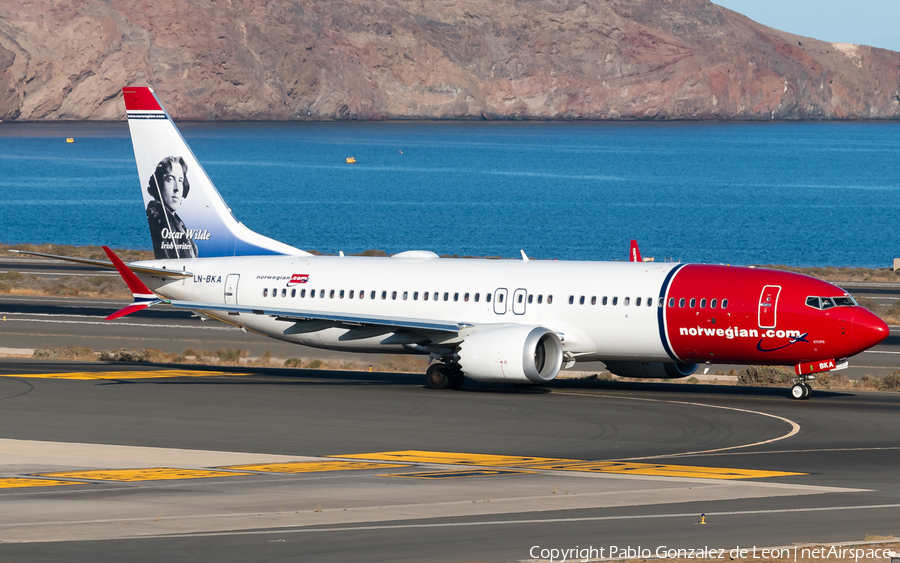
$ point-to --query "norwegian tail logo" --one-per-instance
(186, 215)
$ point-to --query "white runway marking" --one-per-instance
(795, 428)
(110, 323)
(306, 529)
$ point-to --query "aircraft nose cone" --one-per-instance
(867, 329)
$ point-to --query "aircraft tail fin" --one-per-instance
(186, 215)
(634, 254)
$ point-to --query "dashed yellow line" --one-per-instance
(557, 464)
(457, 474)
(312, 466)
(149, 474)
(154, 374)
(18, 482)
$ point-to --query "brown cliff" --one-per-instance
(440, 59)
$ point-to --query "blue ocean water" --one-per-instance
(811, 193)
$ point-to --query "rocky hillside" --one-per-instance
(435, 59)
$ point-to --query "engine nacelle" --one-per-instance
(656, 370)
(518, 354)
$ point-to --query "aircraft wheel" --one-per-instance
(807, 391)
(798, 391)
(437, 376)
(456, 379)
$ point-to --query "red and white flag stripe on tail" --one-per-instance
(141, 103)
(143, 297)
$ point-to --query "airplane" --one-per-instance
(516, 320)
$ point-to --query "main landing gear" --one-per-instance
(442, 376)
(801, 389)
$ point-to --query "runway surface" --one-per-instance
(146, 463)
(114, 461)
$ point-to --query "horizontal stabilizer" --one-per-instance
(143, 297)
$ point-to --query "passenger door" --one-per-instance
(768, 302)
(231, 284)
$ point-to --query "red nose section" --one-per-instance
(867, 329)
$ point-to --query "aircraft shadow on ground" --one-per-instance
(319, 377)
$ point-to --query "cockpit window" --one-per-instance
(829, 302)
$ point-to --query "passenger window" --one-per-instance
(362, 294)
(425, 296)
(681, 302)
(703, 303)
(351, 294)
(593, 299)
(466, 298)
(446, 296)
(302, 293)
(435, 297)
(637, 302)
(627, 300)
(615, 301)
(712, 304)
(530, 298)
(312, 293)
(265, 292)
(500, 298)
(540, 299)
(487, 297)
(372, 295)
(477, 297)
(415, 296)
(693, 302)
(342, 294)
(456, 296)
(394, 295)
(384, 295)
(571, 299)
(671, 301)
(549, 300)
(605, 300)
(321, 294)
(724, 303)
(581, 300)
(661, 300)
(293, 293)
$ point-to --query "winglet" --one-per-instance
(635, 253)
(143, 297)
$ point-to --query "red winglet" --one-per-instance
(140, 98)
(635, 252)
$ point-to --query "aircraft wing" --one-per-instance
(110, 265)
(301, 315)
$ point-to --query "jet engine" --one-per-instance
(659, 370)
(518, 354)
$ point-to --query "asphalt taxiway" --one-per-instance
(106, 462)
(112, 461)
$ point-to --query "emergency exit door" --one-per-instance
(768, 303)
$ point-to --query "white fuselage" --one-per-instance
(479, 292)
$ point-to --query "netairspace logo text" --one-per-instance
(584, 554)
